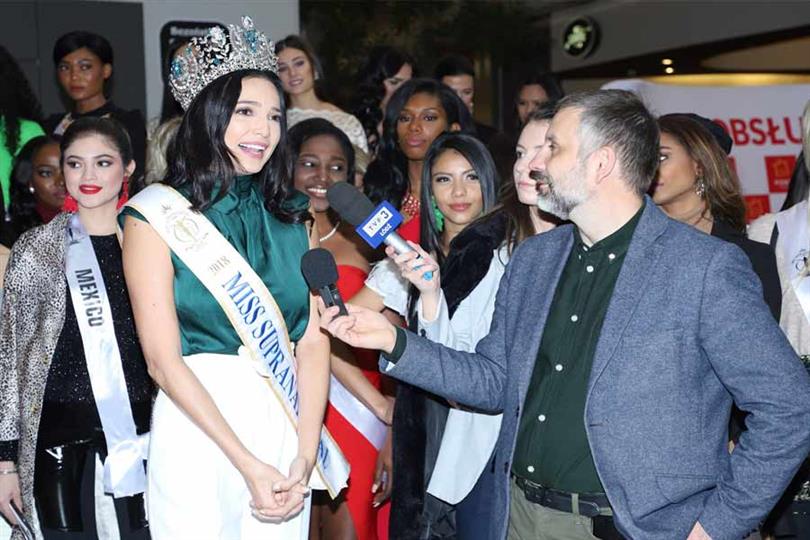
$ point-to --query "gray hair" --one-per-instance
(619, 119)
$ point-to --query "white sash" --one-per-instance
(793, 244)
(248, 304)
(357, 414)
(124, 474)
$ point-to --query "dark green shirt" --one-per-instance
(552, 446)
(272, 248)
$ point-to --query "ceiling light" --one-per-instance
(670, 70)
(666, 61)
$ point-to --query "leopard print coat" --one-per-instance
(33, 313)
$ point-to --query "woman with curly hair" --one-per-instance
(384, 72)
(19, 116)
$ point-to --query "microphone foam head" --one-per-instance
(349, 202)
(319, 268)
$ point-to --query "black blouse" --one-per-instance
(69, 410)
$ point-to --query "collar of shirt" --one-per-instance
(614, 245)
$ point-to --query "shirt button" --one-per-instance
(574, 318)
(611, 256)
(542, 417)
(558, 367)
(589, 268)
(530, 468)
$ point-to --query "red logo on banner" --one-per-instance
(756, 205)
(779, 170)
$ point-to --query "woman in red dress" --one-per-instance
(418, 112)
(358, 413)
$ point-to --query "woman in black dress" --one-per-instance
(84, 68)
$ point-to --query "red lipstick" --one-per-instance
(89, 189)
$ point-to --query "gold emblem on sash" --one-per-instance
(186, 230)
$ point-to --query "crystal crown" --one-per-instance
(218, 53)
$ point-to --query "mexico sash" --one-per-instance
(793, 244)
(124, 474)
(246, 301)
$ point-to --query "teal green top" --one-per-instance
(28, 130)
(272, 248)
(552, 446)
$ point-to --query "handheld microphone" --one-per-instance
(320, 273)
(374, 225)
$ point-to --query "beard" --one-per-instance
(561, 201)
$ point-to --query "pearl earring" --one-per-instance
(31, 190)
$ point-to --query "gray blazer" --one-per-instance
(33, 313)
(686, 332)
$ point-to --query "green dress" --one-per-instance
(272, 248)
(28, 130)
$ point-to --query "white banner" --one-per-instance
(763, 121)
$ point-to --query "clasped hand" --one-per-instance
(275, 497)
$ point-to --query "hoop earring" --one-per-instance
(700, 187)
(438, 217)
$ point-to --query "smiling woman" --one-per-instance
(37, 187)
(66, 277)
(222, 408)
(300, 71)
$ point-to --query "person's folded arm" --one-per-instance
(754, 361)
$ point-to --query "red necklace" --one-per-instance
(410, 204)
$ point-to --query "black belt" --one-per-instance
(589, 505)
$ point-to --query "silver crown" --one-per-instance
(216, 54)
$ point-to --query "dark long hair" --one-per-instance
(430, 238)
(519, 225)
(481, 161)
(387, 176)
(17, 101)
(383, 62)
(109, 128)
(22, 213)
(200, 160)
(314, 127)
(294, 41)
(723, 193)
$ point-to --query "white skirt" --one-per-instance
(194, 492)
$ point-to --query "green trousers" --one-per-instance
(530, 521)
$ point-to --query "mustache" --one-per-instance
(539, 176)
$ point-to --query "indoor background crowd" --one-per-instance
(467, 193)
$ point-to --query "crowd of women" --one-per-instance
(124, 368)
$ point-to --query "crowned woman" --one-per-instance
(212, 260)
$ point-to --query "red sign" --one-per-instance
(779, 168)
(756, 205)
